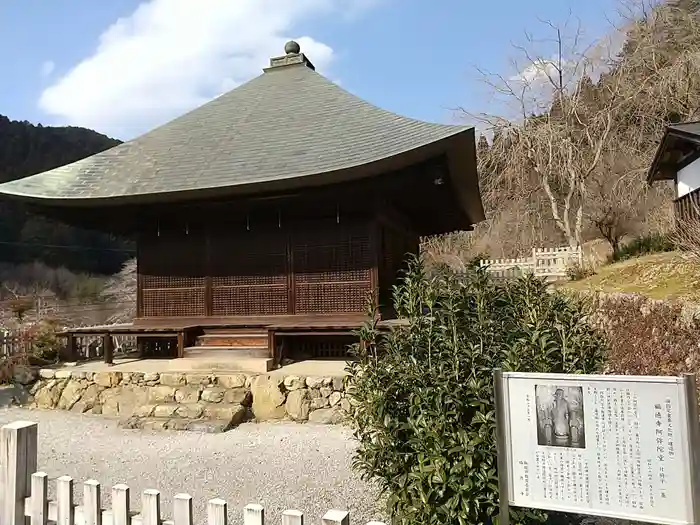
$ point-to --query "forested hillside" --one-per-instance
(26, 149)
(564, 158)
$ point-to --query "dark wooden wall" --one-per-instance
(396, 244)
(324, 266)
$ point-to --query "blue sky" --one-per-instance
(72, 62)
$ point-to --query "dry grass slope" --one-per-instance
(658, 276)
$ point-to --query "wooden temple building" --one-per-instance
(269, 215)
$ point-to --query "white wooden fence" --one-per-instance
(23, 494)
(550, 263)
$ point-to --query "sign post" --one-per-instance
(502, 446)
(624, 447)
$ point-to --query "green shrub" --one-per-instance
(422, 396)
(643, 245)
(46, 342)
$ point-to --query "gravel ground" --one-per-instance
(279, 465)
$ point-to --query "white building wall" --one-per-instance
(688, 178)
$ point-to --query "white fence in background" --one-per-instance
(23, 494)
(550, 263)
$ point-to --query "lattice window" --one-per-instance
(249, 280)
(250, 300)
(328, 298)
(170, 281)
(184, 302)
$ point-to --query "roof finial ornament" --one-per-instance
(292, 48)
(293, 56)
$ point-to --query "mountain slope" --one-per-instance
(26, 149)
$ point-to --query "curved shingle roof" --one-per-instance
(678, 141)
(288, 123)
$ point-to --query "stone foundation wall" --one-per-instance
(180, 400)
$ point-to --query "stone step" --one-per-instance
(239, 330)
(232, 411)
(212, 426)
(226, 352)
(199, 417)
(198, 358)
(244, 340)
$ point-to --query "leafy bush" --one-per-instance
(423, 394)
(46, 343)
(644, 245)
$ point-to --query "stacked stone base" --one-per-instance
(192, 401)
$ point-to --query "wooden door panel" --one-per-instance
(249, 273)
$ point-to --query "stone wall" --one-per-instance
(194, 401)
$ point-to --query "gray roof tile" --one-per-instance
(692, 128)
(288, 122)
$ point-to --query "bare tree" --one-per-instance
(619, 197)
(554, 146)
(121, 289)
(451, 249)
(581, 123)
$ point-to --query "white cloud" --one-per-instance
(47, 68)
(169, 56)
(537, 71)
(536, 81)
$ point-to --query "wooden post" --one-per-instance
(121, 506)
(150, 507)
(18, 460)
(502, 461)
(253, 514)
(108, 349)
(71, 350)
(292, 517)
(272, 347)
(40, 500)
(217, 513)
(141, 346)
(180, 344)
(66, 506)
(691, 396)
(336, 517)
(182, 509)
(92, 503)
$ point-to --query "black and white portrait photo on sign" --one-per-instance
(560, 421)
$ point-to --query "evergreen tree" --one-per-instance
(26, 149)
